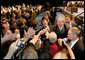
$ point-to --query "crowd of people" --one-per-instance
(74, 3)
(63, 39)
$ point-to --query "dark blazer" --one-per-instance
(78, 50)
(61, 34)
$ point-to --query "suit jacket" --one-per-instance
(78, 50)
(60, 34)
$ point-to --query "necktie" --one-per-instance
(70, 44)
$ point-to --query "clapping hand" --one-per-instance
(29, 33)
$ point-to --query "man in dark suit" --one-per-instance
(60, 29)
(76, 44)
(53, 15)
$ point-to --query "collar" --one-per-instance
(61, 27)
(74, 42)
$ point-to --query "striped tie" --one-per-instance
(70, 44)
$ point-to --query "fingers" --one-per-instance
(42, 31)
(30, 31)
(60, 41)
(66, 44)
(25, 32)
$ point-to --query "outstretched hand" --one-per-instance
(29, 33)
(12, 49)
(42, 32)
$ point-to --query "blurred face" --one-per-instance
(44, 23)
(71, 36)
(6, 26)
(67, 20)
(14, 15)
(47, 18)
(52, 37)
(60, 22)
(16, 31)
(9, 32)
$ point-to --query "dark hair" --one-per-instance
(42, 19)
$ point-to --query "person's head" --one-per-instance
(52, 37)
(4, 22)
(16, 31)
(6, 26)
(13, 15)
(53, 8)
(30, 53)
(60, 21)
(73, 33)
(67, 20)
(19, 15)
(8, 32)
(44, 22)
(23, 20)
(47, 18)
(48, 13)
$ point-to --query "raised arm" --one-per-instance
(34, 40)
(7, 38)
(69, 50)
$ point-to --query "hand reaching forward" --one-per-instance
(12, 49)
(42, 32)
(29, 33)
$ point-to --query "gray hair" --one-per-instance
(75, 31)
(61, 18)
(52, 37)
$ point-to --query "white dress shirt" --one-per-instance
(73, 42)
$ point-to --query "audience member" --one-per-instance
(60, 29)
(76, 44)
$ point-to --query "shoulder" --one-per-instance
(80, 45)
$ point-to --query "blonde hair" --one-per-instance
(61, 54)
